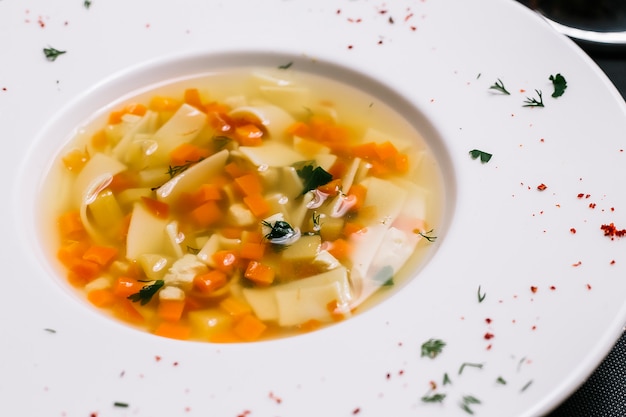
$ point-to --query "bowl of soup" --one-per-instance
(238, 197)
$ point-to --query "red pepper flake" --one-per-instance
(157, 358)
(592, 205)
(245, 413)
(433, 385)
(175, 364)
(533, 289)
(488, 320)
(41, 23)
(534, 328)
(542, 187)
(272, 396)
(542, 140)
(93, 415)
(350, 46)
(588, 287)
(552, 287)
(388, 375)
(488, 336)
(579, 263)
(401, 372)
(612, 208)
(612, 262)
(489, 346)
(356, 411)
(408, 16)
(573, 231)
(413, 28)
(612, 231)
(338, 11)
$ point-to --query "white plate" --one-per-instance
(554, 300)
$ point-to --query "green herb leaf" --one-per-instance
(467, 401)
(313, 177)
(499, 86)
(432, 347)
(87, 4)
(146, 293)
(484, 156)
(52, 54)
(119, 404)
(471, 365)
(192, 250)
(50, 330)
(279, 230)
(427, 236)
(446, 379)
(435, 398)
(559, 83)
(525, 387)
(533, 102)
(501, 380)
(285, 66)
(481, 295)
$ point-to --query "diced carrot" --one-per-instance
(211, 281)
(126, 311)
(186, 153)
(335, 134)
(339, 168)
(225, 260)
(126, 286)
(250, 236)
(252, 250)
(101, 255)
(332, 309)
(85, 270)
(259, 273)
(207, 192)
(193, 303)
(173, 330)
(71, 251)
(401, 163)
(310, 325)
(234, 306)
(332, 188)
(249, 135)
(340, 249)
(216, 107)
(299, 129)
(71, 225)
(359, 191)
(227, 336)
(101, 298)
(75, 160)
(160, 104)
(171, 310)
(365, 151)
(192, 97)
(123, 180)
(234, 170)
(249, 328)
(351, 227)
(99, 140)
(157, 208)
(231, 232)
(115, 117)
(137, 109)
(249, 184)
(206, 214)
(220, 121)
(257, 204)
(378, 169)
(386, 150)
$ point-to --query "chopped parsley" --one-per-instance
(120, 404)
(499, 86)
(286, 66)
(313, 177)
(50, 330)
(471, 365)
(280, 231)
(559, 83)
(87, 4)
(501, 381)
(146, 293)
(533, 102)
(467, 401)
(192, 250)
(434, 398)
(446, 379)
(52, 54)
(481, 295)
(427, 235)
(432, 348)
(484, 156)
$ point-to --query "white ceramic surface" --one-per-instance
(553, 284)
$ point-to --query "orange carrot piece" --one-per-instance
(234, 170)
(310, 325)
(378, 168)
(257, 204)
(386, 150)
(187, 152)
(171, 310)
(71, 225)
(115, 117)
(192, 97)
(126, 311)
(101, 298)
(332, 188)
(157, 208)
(75, 160)
(249, 135)
(225, 260)
(249, 184)
(207, 192)
(206, 214)
(126, 286)
(299, 129)
(365, 151)
(99, 140)
(211, 281)
(173, 330)
(351, 227)
(123, 181)
(260, 273)
(401, 163)
(249, 328)
(359, 191)
(340, 249)
(71, 251)
(160, 104)
(101, 255)
(234, 307)
(250, 236)
(85, 270)
(252, 250)
(216, 107)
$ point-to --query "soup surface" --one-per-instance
(243, 205)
